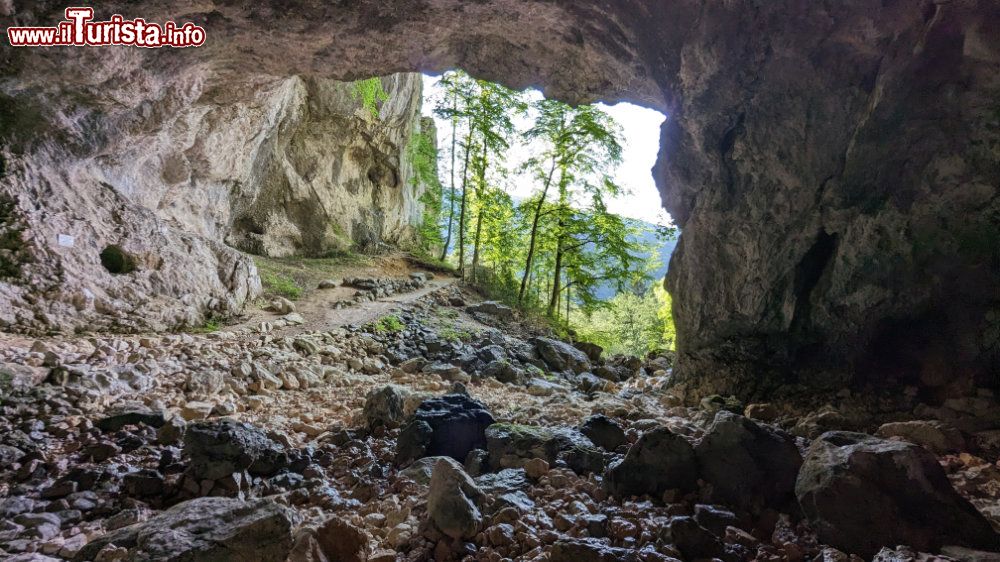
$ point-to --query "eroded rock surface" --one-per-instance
(906, 497)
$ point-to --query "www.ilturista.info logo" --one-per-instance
(79, 30)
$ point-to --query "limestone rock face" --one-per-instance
(122, 210)
(831, 166)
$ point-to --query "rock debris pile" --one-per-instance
(457, 431)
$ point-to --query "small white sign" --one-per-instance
(66, 240)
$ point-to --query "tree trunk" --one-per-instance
(554, 300)
(534, 232)
(461, 219)
(451, 214)
(480, 188)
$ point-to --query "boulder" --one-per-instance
(492, 308)
(561, 356)
(453, 501)
(205, 530)
(384, 407)
(592, 350)
(218, 449)
(691, 539)
(935, 436)
(451, 426)
(659, 461)
(510, 445)
(333, 541)
(749, 465)
(861, 493)
(603, 431)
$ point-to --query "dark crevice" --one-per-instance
(117, 261)
(807, 275)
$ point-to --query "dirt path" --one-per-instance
(320, 316)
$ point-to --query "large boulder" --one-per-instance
(749, 465)
(205, 530)
(561, 356)
(454, 500)
(450, 426)
(218, 449)
(659, 461)
(861, 493)
(510, 445)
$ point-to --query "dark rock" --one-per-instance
(205, 530)
(750, 466)
(603, 431)
(861, 493)
(504, 372)
(100, 452)
(476, 462)
(218, 449)
(659, 461)
(693, 540)
(561, 356)
(592, 350)
(511, 444)
(715, 519)
(334, 541)
(9, 455)
(118, 420)
(450, 426)
(144, 483)
(454, 500)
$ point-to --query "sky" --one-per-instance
(641, 132)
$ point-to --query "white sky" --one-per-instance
(641, 128)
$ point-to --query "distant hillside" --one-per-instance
(664, 249)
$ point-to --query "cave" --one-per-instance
(116, 260)
(832, 170)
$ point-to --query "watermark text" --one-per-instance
(80, 30)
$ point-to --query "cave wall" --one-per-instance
(832, 165)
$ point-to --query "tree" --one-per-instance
(581, 145)
(491, 116)
(423, 159)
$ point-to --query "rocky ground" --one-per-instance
(417, 422)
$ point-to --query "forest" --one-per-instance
(556, 253)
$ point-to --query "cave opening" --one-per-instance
(116, 260)
(555, 207)
(832, 166)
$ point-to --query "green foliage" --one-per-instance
(280, 285)
(390, 324)
(371, 93)
(631, 323)
(423, 158)
(456, 335)
(556, 252)
(210, 325)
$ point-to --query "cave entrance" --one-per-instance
(553, 207)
